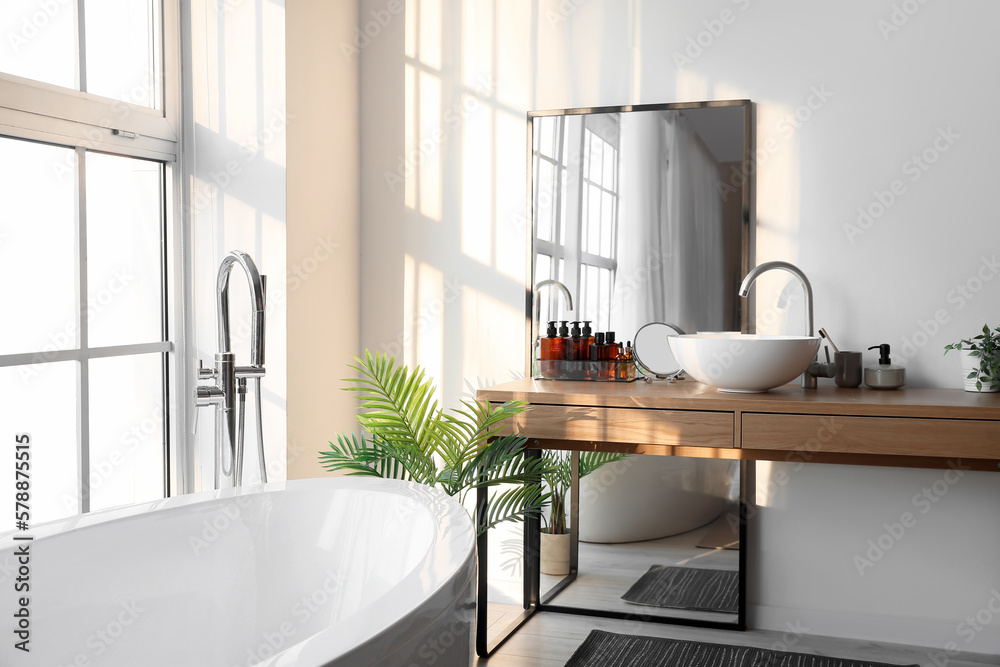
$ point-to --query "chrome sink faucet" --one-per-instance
(230, 379)
(808, 380)
(535, 324)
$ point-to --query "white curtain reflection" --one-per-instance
(670, 263)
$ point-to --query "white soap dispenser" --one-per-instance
(886, 375)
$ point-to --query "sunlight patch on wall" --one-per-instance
(778, 210)
(477, 181)
(490, 324)
(477, 42)
(513, 59)
(511, 219)
(691, 86)
(410, 29)
(409, 298)
(430, 33)
(428, 324)
(431, 138)
(273, 131)
(239, 84)
(410, 134)
(205, 62)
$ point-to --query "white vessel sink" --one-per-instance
(744, 363)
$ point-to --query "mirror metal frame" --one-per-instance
(747, 243)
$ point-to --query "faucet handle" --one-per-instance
(205, 373)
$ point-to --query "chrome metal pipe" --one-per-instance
(536, 326)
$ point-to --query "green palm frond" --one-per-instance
(513, 504)
(412, 438)
(361, 457)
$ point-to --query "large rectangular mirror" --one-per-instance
(642, 214)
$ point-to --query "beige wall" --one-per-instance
(323, 225)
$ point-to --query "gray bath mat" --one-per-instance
(608, 649)
(687, 588)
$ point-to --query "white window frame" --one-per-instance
(42, 112)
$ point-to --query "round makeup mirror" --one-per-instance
(652, 352)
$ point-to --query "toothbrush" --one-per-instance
(824, 334)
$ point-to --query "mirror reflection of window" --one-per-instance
(576, 165)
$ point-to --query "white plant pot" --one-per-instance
(969, 364)
(555, 554)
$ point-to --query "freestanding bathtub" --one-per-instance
(344, 571)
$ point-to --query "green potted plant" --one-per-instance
(405, 435)
(980, 360)
(555, 538)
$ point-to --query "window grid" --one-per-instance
(588, 253)
(48, 114)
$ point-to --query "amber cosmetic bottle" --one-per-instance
(552, 345)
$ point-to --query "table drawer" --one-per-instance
(872, 435)
(689, 428)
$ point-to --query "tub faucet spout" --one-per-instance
(230, 379)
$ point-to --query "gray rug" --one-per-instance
(687, 588)
(607, 649)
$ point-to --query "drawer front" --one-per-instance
(623, 425)
(872, 435)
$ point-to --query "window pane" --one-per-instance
(122, 49)
(41, 401)
(39, 41)
(37, 247)
(545, 197)
(126, 430)
(124, 227)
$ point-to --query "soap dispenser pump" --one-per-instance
(886, 375)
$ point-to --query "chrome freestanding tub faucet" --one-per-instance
(808, 380)
(230, 379)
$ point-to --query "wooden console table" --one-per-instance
(908, 427)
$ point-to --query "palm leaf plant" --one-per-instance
(405, 435)
(985, 347)
(558, 478)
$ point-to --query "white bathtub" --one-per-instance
(345, 571)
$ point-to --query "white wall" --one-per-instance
(443, 271)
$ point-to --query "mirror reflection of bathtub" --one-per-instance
(643, 213)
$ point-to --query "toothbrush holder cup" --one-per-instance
(848, 369)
